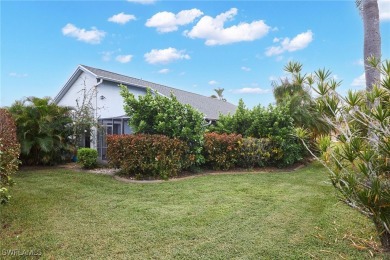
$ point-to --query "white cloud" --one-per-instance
(144, 2)
(164, 71)
(299, 42)
(165, 56)
(251, 91)
(169, 22)
(245, 68)
(359, 81)
(17, 75)
(93, 36)
(213, 82)
(213, 31)
(124, 58)
(384, 10)
(121, 18)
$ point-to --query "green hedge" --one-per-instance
(9, 153)
(158, 156)
(148, 156)
(87, 158)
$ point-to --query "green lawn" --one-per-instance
(66, 214)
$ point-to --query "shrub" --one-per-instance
(222, 151)
(9, 153)
(254, 152)
(148, 156)
(87, 157)
(238, 123)
(285, 151)
(273, 123)
(156, 114)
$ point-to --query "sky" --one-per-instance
(198, 46)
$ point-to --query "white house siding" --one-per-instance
(74, 92)
(109, 100)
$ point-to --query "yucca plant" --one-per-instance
(294, 94)
(359, 161)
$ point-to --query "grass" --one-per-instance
(66, 214)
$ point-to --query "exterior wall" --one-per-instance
(107, 99)
(70, 97)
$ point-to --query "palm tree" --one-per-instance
(372, 39)
(43, 130)
(219, 95)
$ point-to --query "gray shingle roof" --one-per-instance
(210, 107)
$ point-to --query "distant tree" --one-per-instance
(219, 92)
(43, 130)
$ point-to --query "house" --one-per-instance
(108, 103)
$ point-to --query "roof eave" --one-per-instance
(70, 82)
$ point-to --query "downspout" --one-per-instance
(207, 123)
(96, 117)
(96, 92)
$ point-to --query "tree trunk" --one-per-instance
(384, 235)
(372, 40)
(385, 241)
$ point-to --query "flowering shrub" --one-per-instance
(9, 153)
(222, 151)
(148, 156)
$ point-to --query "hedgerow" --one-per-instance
(273, 123)
(221, 151)
(9, 153)
(148, 156)
(153, 113)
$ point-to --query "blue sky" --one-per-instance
(240, 46)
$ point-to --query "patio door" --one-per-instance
(102, 140)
